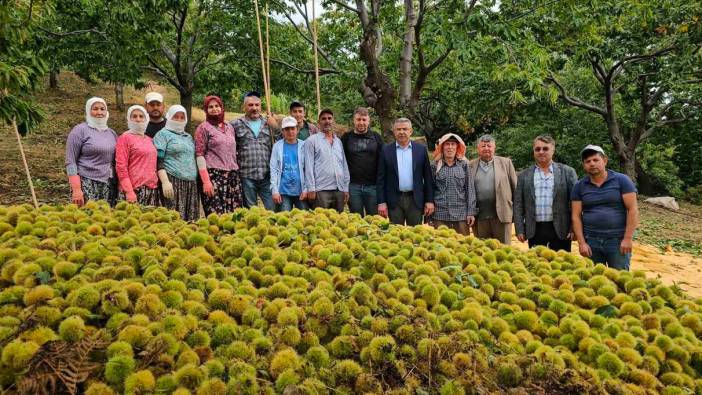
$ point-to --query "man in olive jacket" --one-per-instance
(542, 212)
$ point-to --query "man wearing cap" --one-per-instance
(605, 213)
(454, 193)
(255, 135)
(326, 170)
(542, 199)
(405, 183)
(304, 128)
(362, 148)
(154, 105)
(288, 169)
(495, 180)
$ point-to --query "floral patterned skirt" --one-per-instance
(186, 199)
(145, 196)
(227, 192)
(98, 190)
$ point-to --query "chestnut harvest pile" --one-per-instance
(134, 300)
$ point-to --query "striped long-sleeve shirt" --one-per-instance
(325, 164)
(90, 153)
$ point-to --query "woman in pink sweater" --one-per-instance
(135, 158)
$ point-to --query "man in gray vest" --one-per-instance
(495, 180)
(542, 212)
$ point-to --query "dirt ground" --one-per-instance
(669, 244)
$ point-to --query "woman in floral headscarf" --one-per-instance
(136, 160)
(90, 156)
(215, 151)
(454, 192)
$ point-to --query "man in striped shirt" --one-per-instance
(326, 171)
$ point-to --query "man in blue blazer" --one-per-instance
(405, 183)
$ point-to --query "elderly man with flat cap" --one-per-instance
(255, 135)
(605, 213)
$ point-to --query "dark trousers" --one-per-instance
(330, 199)
(545, 235)
(363, 199)
(406, 211)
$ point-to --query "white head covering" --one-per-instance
(93, 122)
(176, 126)
(137, 127)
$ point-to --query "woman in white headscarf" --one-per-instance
(135, 158)
(90, 156)
(177, 169)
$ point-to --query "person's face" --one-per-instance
(449, 149)
(290, 134)
(326, 122)
(543, 152)
(595, 165)
(402, 132)
(486, 150)
(137, 116)
(298, 113)
(155, 109)
(252, 107)
(213, 108)
(179, 116)
(360, 122)
(98, 110)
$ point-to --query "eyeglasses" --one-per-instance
(542, 149)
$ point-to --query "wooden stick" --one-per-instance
(24, 161)
(263, 61)
(268, 56)
(316, 58)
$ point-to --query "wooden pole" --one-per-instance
(26, 167)
(263, 61)
(316, 58)
(268, 55)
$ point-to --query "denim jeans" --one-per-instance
(255, 188)
(363, 199)
(606, 250)
(289, 202)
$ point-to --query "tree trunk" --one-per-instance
(119, 95)
(186, 100)
(406, 55)
(53, 79)
(628, 166)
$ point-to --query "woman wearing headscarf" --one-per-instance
(135, 158)
(215, 151)
(90, 156)
(454, 192)
(176, 165)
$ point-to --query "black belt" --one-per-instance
(407, 193)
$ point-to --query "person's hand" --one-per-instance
(383, 210)
(346, 197)
(584, 249)
(521, 237)
(470, 220)
(78, 198)
(303, 196)
(428, 209)
(626, 246)
(208, 188)
(311, 196)
(277, 199)
(167, 189)
(131, 196)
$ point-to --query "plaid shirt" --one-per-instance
(254, 153)
(454, 192)
(543, 193)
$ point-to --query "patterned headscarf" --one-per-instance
(214, 119)
(439, 150)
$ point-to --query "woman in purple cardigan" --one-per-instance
(90, 156)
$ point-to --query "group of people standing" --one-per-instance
(299, 164)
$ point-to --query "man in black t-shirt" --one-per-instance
(362, 149)
(155, 107)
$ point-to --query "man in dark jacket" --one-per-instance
(542, 212)
(405, 182)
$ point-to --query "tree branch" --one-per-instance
(73, 33)
(160, 71)
(574, 101)
(619, 66)
(346, 6)
(322, 71)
